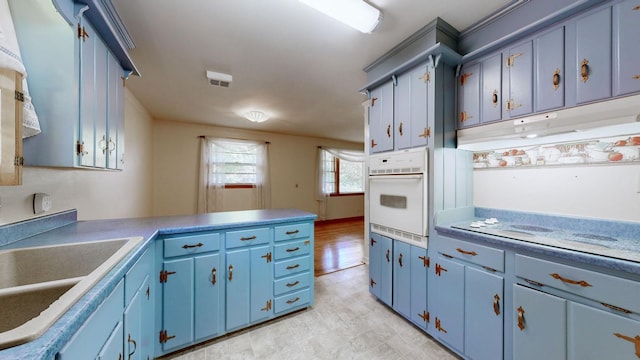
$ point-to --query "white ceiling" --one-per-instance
(288, 60)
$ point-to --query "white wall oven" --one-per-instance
(398, 195)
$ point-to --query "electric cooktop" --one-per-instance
(599, 244)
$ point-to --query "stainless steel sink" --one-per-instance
(39, 284)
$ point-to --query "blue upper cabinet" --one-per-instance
(518, 80)
(593, 56)
(411, 108)
(626, 51)
(381, 118)
(469, 95)
(550, 73)
(491, 99)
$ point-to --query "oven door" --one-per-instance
(399, 202)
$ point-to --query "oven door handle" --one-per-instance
(395, 177)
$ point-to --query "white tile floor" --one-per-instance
(346, 322)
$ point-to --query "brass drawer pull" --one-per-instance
(292, 232)
(293, 267)
(293, 300)
(521, 325)
(472, 253)
(248, 238)
(294, 249)
(185, 246)
(293, 283)
(616, 308)
(569, 281)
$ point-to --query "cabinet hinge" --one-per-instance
(19, 96)
(439, 269)
(164, 337)
(164, 275)
(80, 148)
(267, 306)
(267, 256)
(18, 161)
(82, 33)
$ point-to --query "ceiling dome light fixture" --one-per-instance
(355, 13)
(256, 116)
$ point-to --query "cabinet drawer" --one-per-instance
(294, 231)
(292, 283)
(297, 248)
(247, 237)
(473, 253)
(291, 301)
(606, 289)
(293, 266)
(191, 244)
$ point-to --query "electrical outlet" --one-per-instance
(41, 203)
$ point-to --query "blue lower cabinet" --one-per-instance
(419, 270)
(540, 326)
(208, 316)
(237, 293)
(261, 283)
(381, 267)
(177, 303)
(449, 306)
(402, 278)
(484, 314)
(133, 328)
(112, 349)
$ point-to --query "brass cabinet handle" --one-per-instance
(388, 131)
(293, 283)
(472, 253)
(230, 272)
(185, 246)
(135, 346)
(248, 238)
(214, 276)
(373, 143)
(634, 340)
(521, 325)
(584, 70)
(496, 304)
(387, 255)
(400, 259)
(494, 98)
(555, 80)
(292, 232)
(293, 300)
(400, 129)
(291, 267)
(293, 250)
(569, 281)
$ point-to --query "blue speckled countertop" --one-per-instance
(627, 232)
(63, 228)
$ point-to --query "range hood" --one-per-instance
(602, 119)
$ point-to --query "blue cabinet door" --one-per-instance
(484, 312)
(133, 327)
(112, 349)
(115, 124)
(540, 326)
(100, 110)
(550, 74)
(261, 283)
(419, 271)
(422, 79)
(208, 308)
(402, 278)
(597, 334)
(518, 67)
(375, 264)
(87, 64)
(449, 307)
(381, 118)
(237, 293)
(402, 112)
(177, 303)
(148, 329)
(593, 55)
(626, 52)
(492, 88)
(381, 267)
(469, 95)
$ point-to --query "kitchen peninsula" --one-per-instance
(283, 241)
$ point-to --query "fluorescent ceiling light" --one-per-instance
(256, 116)
(355, 13)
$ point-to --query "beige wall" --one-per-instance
(598, 191)
(96, 194)
(292, 164)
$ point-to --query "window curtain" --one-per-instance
(211, 180)
(324, 182)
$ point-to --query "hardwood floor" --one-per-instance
(338, 244)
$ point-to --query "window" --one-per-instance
(235, 162)
(341, 176)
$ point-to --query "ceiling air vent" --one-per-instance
(219, 79)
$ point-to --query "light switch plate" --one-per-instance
(41, 203)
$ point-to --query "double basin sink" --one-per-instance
(39, 284)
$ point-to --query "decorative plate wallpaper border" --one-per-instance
(620, 149)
